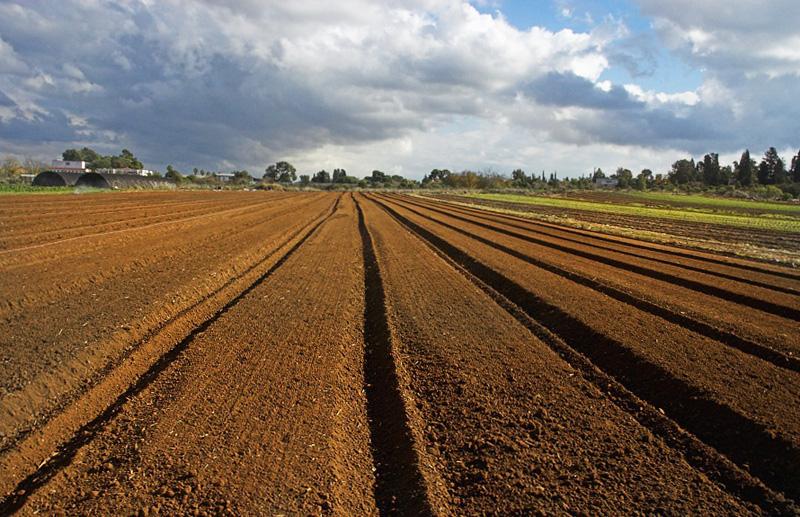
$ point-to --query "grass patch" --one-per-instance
(772, 222)
(31, 189)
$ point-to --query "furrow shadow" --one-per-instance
(596, 235)
(399, 483)
(686, 321)
(488, 216)
(65, 454)
(775, 460)
(743, 299)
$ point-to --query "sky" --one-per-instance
(401, 86)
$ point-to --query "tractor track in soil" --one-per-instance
(666, 249)
(771, 456)
(693, 230)
(128, 303)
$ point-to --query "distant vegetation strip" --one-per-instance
(746, 221)
(710, 201)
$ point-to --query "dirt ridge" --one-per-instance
(690, 253)
(689, 267)
(67, 449)
(743, 344)
(743, 299)
(772, 458)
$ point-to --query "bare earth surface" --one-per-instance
(355, 354)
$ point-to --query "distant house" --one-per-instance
(80, 167)
(68, 166)
(225, 176)
(606, 182)
(138, 172)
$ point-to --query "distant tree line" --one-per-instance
(95, 160)
(771, 172)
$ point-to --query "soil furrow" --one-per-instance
(499, 404)
(725, 234)
(122, 230)
(400, 487)
(672, 315)
(129, 303)
(766, 329)
(86, 433)
(705, 256)
(771, 457)
(647, 255)
(713, 290)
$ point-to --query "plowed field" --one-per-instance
(362, 354)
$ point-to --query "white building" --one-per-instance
(68, 166)
(225, 176)
(138, 172)
(606, 182)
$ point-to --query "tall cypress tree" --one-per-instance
(796, 168)
(711, 171)
(771, 169)
(745, 170)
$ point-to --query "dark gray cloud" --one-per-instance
(565, 89)
(195, 83)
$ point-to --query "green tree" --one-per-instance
(745, 170)
(339, 175)
(377, 177)
(519, 178)
(771, 170)
(242, 177)
(624, 177)
(305, 179)
(725, 174)
(795, 172)
(322, 176)
(281, 172)
(709, 167)
(71, 155)
(437, 175)
(682, 172)
(173, 174)
(644, 179)
(598, 174)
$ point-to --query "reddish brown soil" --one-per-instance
(719, 233)
(711, 292)
(260, 353)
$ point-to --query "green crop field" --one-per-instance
(711, 201)
(763, 222)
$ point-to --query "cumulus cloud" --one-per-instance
(247, 82)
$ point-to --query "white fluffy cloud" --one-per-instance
(398, 85)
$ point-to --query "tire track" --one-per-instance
(86, 433)
(400, 487)
(742, 299)
(663, 248)
(611, 249)
(688, 322)
(773, 459)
